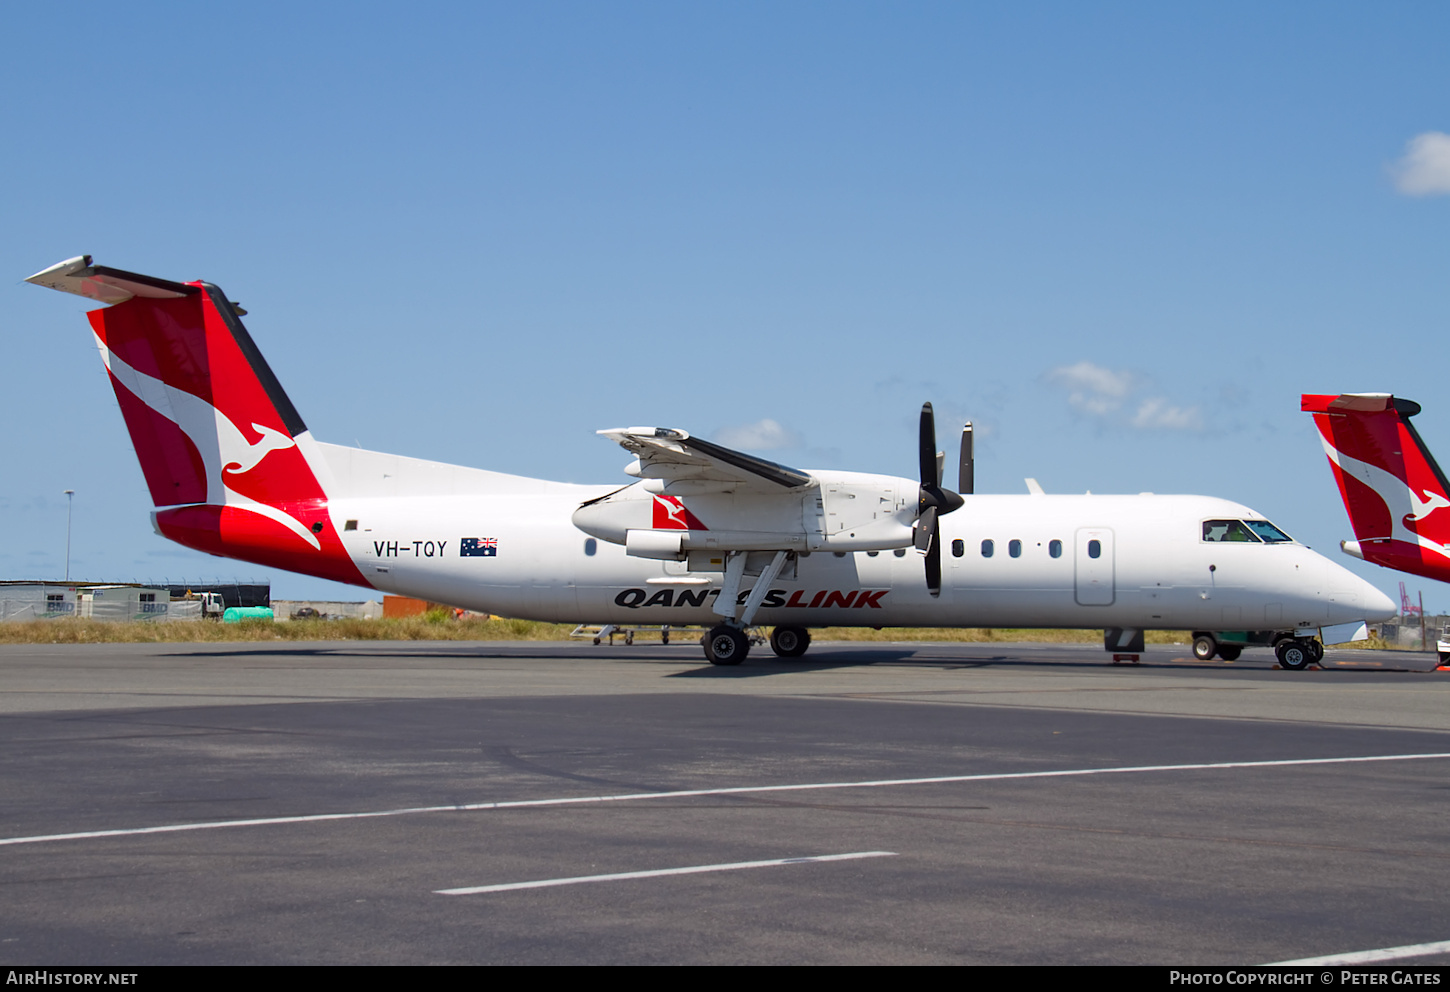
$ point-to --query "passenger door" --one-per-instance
(1094, 567)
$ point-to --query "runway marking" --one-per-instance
(740, 790)
(1367, 957)
(659, 872)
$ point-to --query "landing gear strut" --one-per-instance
(727, 643)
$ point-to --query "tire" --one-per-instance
(790, 642)
(1229, 652)
(1316, 648)
(1204, 646)
(1293, 655)
(726, 645)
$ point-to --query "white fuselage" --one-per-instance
(1152, 570)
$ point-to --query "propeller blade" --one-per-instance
(926, 528)
(966, 468)
(932, 500)
(927, 446)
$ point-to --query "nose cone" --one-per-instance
(1377, 606)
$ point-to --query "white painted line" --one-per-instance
(1369, 957)
(698, 793)
(660, 872)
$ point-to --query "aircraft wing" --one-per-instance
(674, 456)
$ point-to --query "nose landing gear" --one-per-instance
(1298, 653)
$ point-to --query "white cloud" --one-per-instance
(1425, 169)
(1111, 395)
(1092, 388)
(763, 435)
(1157, 413)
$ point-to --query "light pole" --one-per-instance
(69, 500)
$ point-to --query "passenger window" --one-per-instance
(1095, 549)
(872, 554)
(900, 552)
(987, 548)
(590, 546)
(1054, 548)
(959, 548)
(1014, 548)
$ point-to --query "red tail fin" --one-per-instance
(1390, 482)
(224, 452)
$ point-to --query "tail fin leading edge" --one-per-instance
(1390, 483)
(230, 465)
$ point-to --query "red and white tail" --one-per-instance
(231, 467)
(1390, 482)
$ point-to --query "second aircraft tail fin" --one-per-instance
(1390, 483)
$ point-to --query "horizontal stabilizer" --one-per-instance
(106, 285)
(1357, 403)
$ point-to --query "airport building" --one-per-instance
(96, 600)
(135, 601)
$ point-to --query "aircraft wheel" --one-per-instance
(726, 645)
(790, 642)
(1229, 652)
(1316, 648)
(1204, 646)
(1293, 655)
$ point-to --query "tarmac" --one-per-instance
(545, 803)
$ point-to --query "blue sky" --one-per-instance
(1121, 237)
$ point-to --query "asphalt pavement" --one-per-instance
(525, 803)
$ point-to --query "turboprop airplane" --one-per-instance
(1389, 481)
(706, 535)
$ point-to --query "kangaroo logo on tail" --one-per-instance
(224, 449)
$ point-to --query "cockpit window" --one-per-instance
(1231, 531)
(1268, 532)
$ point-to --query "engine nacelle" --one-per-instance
(846, 511)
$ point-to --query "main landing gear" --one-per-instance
(728, 645)
(790, 642)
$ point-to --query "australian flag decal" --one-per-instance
(478, 547)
